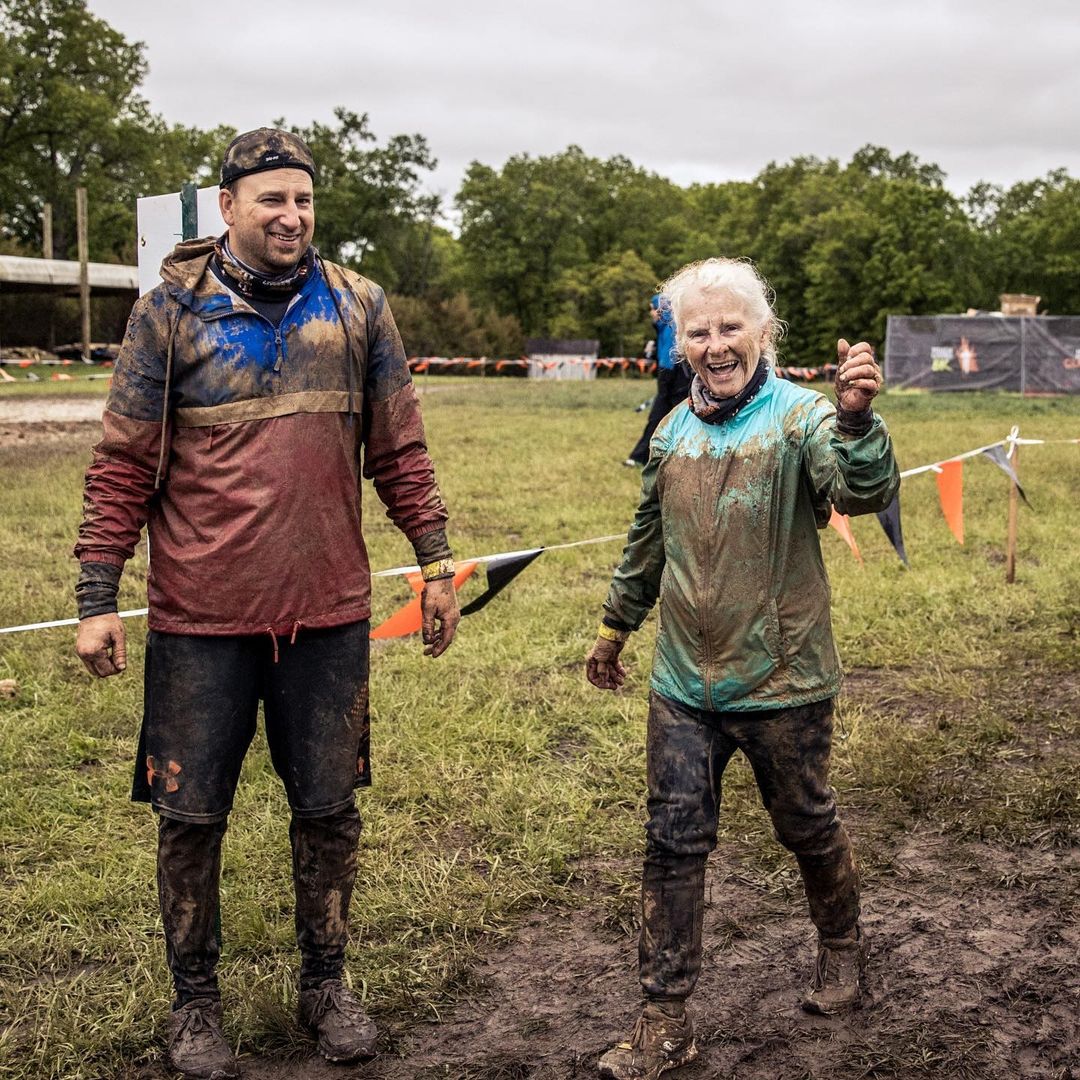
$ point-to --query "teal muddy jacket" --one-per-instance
(726, 535)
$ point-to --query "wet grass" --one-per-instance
(497, 767)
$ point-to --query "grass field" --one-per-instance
(503, 782)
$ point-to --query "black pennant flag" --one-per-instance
(500, 572)
(890, 522)
(998, 456)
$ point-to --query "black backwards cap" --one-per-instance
(264, 149)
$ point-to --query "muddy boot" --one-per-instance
(332, 1013)
(837, 974)
(197, 1049)
(663, 1039)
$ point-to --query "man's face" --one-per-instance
(722, 343)
(271, 218)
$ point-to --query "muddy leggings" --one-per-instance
(688, 750)
(189, 864)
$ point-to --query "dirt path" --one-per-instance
(973, 975)
(53, 410)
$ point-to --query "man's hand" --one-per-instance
(858, 378)
(101, 645)
(603, 668)
(439, 604)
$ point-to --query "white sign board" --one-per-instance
(160, 227)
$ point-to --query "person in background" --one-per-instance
(740, 478)
(672, 379)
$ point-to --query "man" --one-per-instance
(672, 379)
(249, 382)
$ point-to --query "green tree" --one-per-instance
(533, 231)
(1031, 234)
(451, 326)
(373, 213)
(608, 300)
(70, 116)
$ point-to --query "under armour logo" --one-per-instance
(168, 773)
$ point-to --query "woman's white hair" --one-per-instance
(740, 278)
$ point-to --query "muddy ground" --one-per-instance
(974, 973)
(974, 969)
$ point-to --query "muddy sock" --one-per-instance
(324, 869)
(188, 869)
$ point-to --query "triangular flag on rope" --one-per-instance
(500, 572)
(950, 485)
(890, 522)
(998, 456)
(410, 618)
(842, 524)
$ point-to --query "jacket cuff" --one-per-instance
(432, 547)
(616, 624)
(854, 422)
(96, 589)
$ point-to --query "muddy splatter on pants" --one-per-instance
(688, 750)
(202, 697)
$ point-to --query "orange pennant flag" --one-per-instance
(950, 485)
(842, 524)
(410, 619)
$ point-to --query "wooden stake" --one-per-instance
(47, 253)
(46, 231)
(84, 269)
(1014, 506)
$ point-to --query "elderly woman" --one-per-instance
(740, 478)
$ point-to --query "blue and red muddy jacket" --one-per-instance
(256, 433)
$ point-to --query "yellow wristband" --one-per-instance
(609, 633)
(442, 568)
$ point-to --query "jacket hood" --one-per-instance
(184, 266)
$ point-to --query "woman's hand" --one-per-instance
(858, 378)
(603, 668)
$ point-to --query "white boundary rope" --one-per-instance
(1013, 439)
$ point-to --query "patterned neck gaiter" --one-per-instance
(716, 410)
(250, 283)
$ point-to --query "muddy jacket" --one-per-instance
(727, 536)
(256, 524)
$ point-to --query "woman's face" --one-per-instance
(722, 342)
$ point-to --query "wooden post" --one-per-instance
(84, 269)
(1014, 507)
(46, 231)
(47, 253)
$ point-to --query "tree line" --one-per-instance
(564, 245)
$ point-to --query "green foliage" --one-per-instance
(430, 326)
(372, 212)
(607, 300)
(534, 232)
(1033, 234)
(70, 116)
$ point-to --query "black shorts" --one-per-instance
(201, 706)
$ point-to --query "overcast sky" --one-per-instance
(694, 90)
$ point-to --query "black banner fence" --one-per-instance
(1029, 355)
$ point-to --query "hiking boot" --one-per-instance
(660, 1041)
(332, 1012)
(197, 1049)
(837, 974)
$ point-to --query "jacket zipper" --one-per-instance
(279, 344)
(703, 609)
